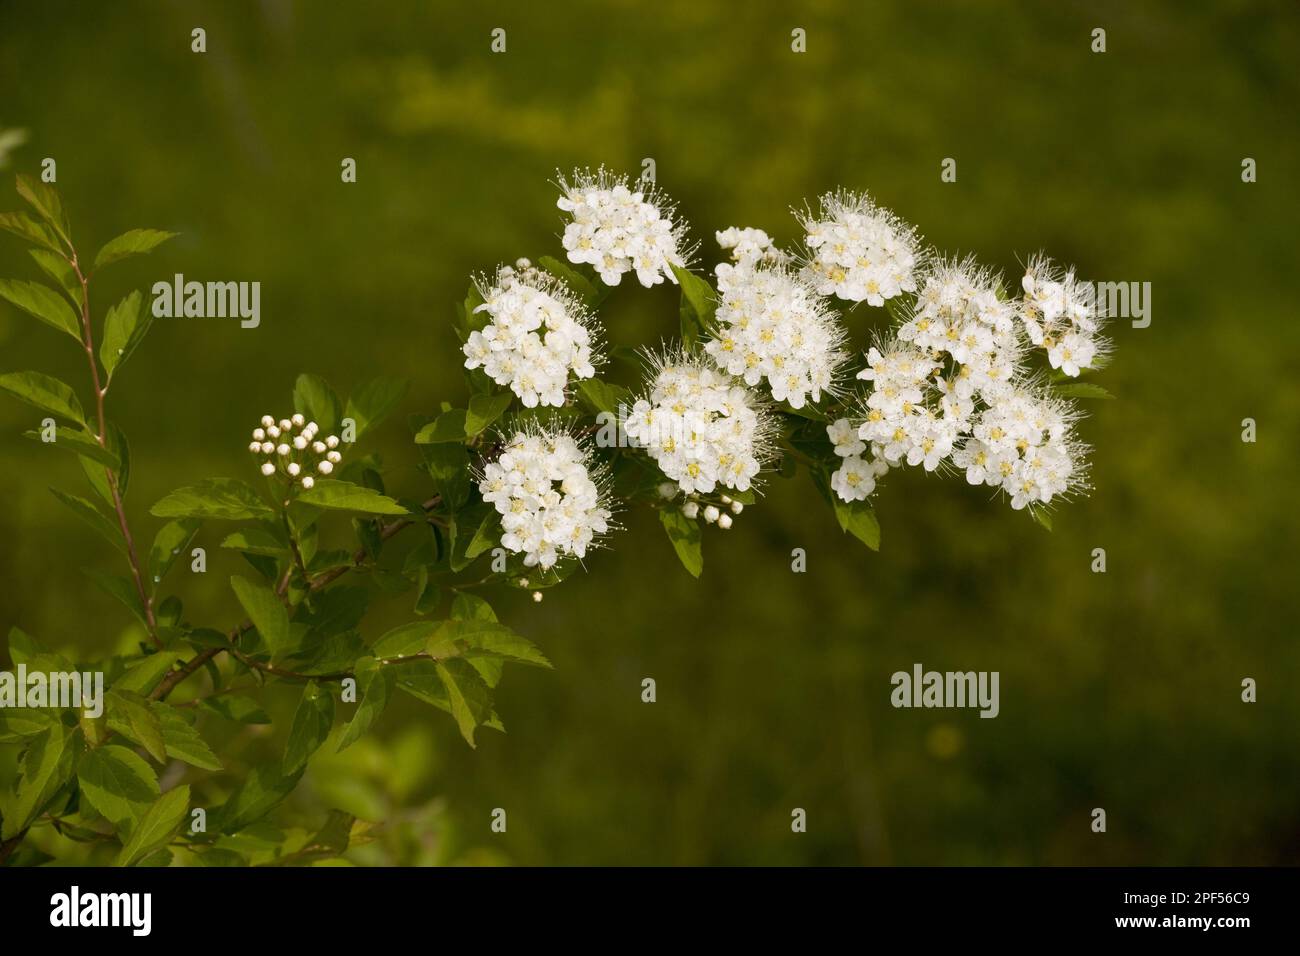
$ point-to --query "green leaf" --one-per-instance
(313, 397)
(449, 468)
(158, 825)
(134, 243)
(79, 442)
(471, 701)
(46, 767)
(167, 546)
(95, 473)
(22, 646)
(311, 725)
(119, 587)
(1082, 390)
(699, 303)
(45, 200)
(375, 401)
(345, 496)
(258, 795)
(124, 329)
(266, 612)
(44, 303)
(25, 227)
(88, 513)
(144, 675)
(405, 640)
(226, 499)
(117, 783)
(471, 607)
(375, 686)
(858, 518)
(448, 427)
(129, 714)
(182, 740)
(22, 722)
(255, 540)
(43, 392)
(484, 410)
(242, 710)
(684, 533)
(471, 638)
(54, 265)
(602, 396)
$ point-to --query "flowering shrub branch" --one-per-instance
(525, 480)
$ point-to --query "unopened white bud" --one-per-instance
(325, 467)
(293, 469)
(298, 421)
(273, 432)
(332, 441)
(308, 481)
(691, 509)
(710, 514)
(522, 263)
(667, 490)
(334, 457)
(318, 447)
(737, 507)
(537, 597)
(282, 449)
(259, 434)
(268, 447)
(725, 500)
(268, 469)
(313, 427)
(300, 443)
(724, 522)
(267, 421)
(255, 446)
(285, 424)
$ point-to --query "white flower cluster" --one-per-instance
(551, 502)
(1060, 316)
(619, 230)
(540, 333)
(774, 327)
(748, 247)
(950, 387)
(701, 426)
(859, 251)
(298, 456)
(1024, 445)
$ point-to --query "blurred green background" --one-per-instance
(1119, 690)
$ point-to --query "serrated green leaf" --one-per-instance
(266, 612)
(311, 725)
(344, 496)
(255, 540)
(129, 714)
(484, 410)
(45, 200)
(242, 710)
(181, 740)
(374, 688)
(125, 327)
(225, 499)
(450, 426)
(54, 265)
(133, 243)
(118, 587)
(602, 396)
(25, 227)
(158, 825)
(144, 675)
(22, 646)
(258, 795)
(684, 533)
(42, 302)
(858, 518)
(167, 546)
(117, 783)
(375, 401)
(469, 696)
(699, 303)
(77, 441)
(576, 282)
(45, 393)
(313, 397)
(46, 766)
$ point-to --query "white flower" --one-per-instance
(551, 501)
(539, 334)
(702, 427)
(855, 479)
(859, 251)
(844, 436)
(749, 248)
(773, 327)
(1024, 444)
(295, 455)
(1060, 315)
(617, 229)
